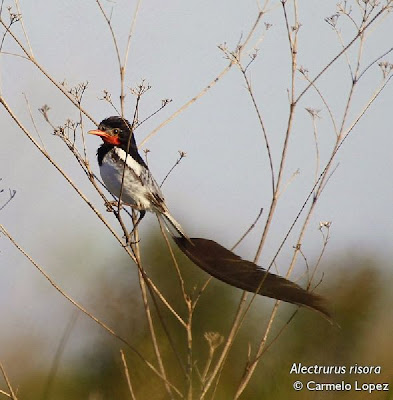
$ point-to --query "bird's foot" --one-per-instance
(110, 204)
(129, 242)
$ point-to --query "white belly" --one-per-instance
(134, 192)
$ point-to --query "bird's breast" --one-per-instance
(138, 185)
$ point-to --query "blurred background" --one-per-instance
(50, 350)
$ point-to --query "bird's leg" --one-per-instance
(142, 213)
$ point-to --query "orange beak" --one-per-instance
(105, 136)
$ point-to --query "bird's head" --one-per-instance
(115, 131)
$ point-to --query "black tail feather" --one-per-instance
(230, 268)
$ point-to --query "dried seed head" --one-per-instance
(313, 112)
(386, 68)
(303, 71)
(164, 102)
(214, 339)
(324, 224)
(332, 20)
(44, 111)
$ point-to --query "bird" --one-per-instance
(127, 176)
(125, 173)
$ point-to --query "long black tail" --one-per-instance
(230, 268)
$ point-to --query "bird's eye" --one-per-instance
(116, 131)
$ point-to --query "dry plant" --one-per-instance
(11, 393)
(202, 382)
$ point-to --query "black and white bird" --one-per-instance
(127, 176)
(125, 173)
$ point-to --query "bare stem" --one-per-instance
(91, 316)
(127, 374)
(45, 73)
(12, 394)
(209, 86)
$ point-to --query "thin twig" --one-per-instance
(335, 58)
(5, 393)
(59, 352)
(314, 115)
(322, 252)
(12, 195)
(175, 263)
(190, 308)
(81, 308)
(45, 73)
(249, 229)
(322, 97)
(338, 33)
(33, 122)
(293, 51)
(12, 394)
(153, 335)
(108, 21)
(209, 86)
(66, 177)
(261, 123)
(149, 318)
(237, 318)
(27, 133)
(251, 367)
(374, 62)
(165, 327)
(127, 374)
(117, 51)
(227, 346)
(182, 155)
(21, 20)
(130, 34)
